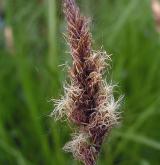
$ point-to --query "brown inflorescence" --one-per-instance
(88, 101)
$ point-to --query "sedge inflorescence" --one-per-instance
(88, 102)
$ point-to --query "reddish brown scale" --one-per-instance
(88, 154)
(78, 35)
(96, 129)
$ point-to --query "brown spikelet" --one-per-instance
(88, 102)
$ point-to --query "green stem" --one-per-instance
(52, 36)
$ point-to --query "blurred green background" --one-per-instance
(31, 49)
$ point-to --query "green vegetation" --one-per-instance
(30, 77)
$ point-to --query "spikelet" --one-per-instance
(88, 101)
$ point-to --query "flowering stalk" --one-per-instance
(88, 102)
